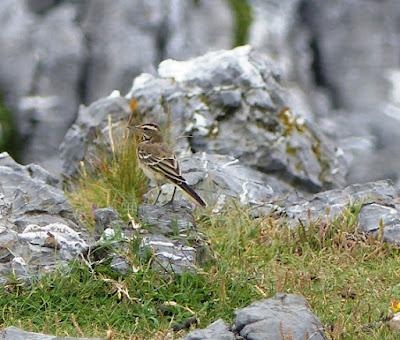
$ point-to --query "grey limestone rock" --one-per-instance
(170, 235)
(38, 231)
(258, 130)
(14, 333)
(41, 60)
(219, 178)
(357, 46)
(148, 31)
(283, 316)
(379, 202)
(218, 330)
(90, 131)
(106, 218)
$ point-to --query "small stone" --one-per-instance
(285, 315)
(218, 330)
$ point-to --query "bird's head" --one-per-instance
(148, 132)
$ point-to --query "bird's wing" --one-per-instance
(162, 160)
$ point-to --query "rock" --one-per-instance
(120, 264)
(107, 218)
(172, 238)
(394, 322)
(166, 220)
(194, 28)
(376, 215)
(169, 256)
(260, 132)
(218, 330)
(13, 333)
(274, 29)
(91, 130)
(148, 32)
(38, 232)
(40, 67)
(113, 27)
(219, 178)
(283, 316)
(356, 45)
(379, 201)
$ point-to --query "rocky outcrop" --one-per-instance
(237, 109)
(233, 102)
(281, 317)
(38, 231)
(378, 201)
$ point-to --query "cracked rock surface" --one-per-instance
(171, 237)
(38, 232)
(380, 204)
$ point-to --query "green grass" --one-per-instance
(348, 279)
(110, 180)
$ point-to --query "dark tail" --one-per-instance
(186, 188)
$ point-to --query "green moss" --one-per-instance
(243, 18)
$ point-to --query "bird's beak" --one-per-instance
(133, 127)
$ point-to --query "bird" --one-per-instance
(159, 163)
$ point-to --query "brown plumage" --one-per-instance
(159, 163)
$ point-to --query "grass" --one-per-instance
(243, 17)
(348, 279)
(110, 180)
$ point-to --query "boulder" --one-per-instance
(234, 103)
(283, 316)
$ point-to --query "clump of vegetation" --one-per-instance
(243, 17)
(110, 180)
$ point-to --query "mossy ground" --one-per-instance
(348, 279)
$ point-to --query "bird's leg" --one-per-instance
(158, 196)
(173, 195)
